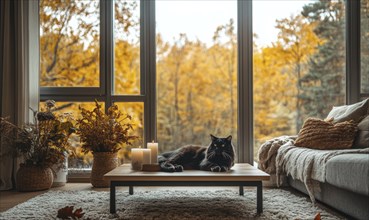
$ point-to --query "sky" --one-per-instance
(199, 18)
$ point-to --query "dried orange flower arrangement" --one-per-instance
(100, 132)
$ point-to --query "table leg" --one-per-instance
(112, 197)
(241, 190)
(259, 197)
(130, 190)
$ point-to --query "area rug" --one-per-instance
(171, 204)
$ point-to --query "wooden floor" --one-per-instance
(9, 199)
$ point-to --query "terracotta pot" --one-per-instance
(34, 178)
(103, 163)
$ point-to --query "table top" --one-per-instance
(239, 172)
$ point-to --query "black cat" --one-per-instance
(217, 157)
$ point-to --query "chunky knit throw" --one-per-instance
(280, 156)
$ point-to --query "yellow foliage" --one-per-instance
(196, 82)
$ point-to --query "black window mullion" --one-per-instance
(245, 81)
(68, 98)
(128, 98)
(148, 67)
(353, 67)
(143, 78)
(70, 91)
(109, 49)
(103, 71)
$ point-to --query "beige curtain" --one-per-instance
(15, 87)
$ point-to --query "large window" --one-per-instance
(196, 67)
(79, 67)
(299, 64)
(187, 69)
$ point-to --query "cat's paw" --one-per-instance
(179, 168)
(216, 169)
(168, 167)
(224, 169)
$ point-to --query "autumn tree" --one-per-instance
(197, 85)
(324, 83)
(183, 92)
(299, 43)
(273, 106)
(126, 48)
(224, 61)
(69, 43)
(170, 67)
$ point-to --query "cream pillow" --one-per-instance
(355, 112)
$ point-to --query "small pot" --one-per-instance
(102, 164)
(60, 177)
(33, 178)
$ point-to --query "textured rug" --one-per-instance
(171, 204)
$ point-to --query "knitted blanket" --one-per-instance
(268, 153)
(279, 155)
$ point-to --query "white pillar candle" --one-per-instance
(146, 156)
(154, 151)
(136, 158)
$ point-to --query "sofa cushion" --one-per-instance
(362, 136)
(354, 112)
(349, 171)
(324, 135)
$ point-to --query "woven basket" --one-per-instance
(103, 163)
(33, 178)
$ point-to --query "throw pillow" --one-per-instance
(362, 137)
(354, 112)
(325, 135)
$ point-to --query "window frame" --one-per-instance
(357, 14)
(353, 50)
(105, 92)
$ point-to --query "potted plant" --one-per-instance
(42, 145)
(103, 135)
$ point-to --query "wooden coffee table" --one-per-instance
(241, 175)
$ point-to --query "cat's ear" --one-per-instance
(213, 138)
(229, 138)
